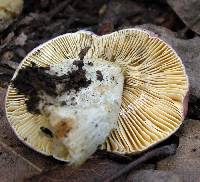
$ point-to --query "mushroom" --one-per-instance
(154, 100)
(9, 9)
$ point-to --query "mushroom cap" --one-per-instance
(154, 95)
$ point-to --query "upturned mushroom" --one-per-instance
(123, 92)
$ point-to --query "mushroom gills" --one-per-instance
(154, 97)
(82, 116)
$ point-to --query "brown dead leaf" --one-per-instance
(7, 56)
(93, 170)
(7, 60)
(116, 11)
(7, 40)
(21, 39)
(29, 18)
(13, 166)
(186, 162)
(105, 27)
(153, 176)
(188, 11)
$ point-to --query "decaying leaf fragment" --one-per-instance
(9, 9)
(188, 11)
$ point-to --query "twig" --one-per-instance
(158, 152)
(59, 8)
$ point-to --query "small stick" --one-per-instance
(158, 152)
(59, 8)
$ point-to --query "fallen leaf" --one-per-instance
(7, 56)
(185, 163)
(21, 39)
(152, 176)
(188, 11)
(29, 18)
(7, 60)
(7, 40)
(13, 166)
(105, 27)
(93, 170)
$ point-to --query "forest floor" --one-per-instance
(42, 20)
